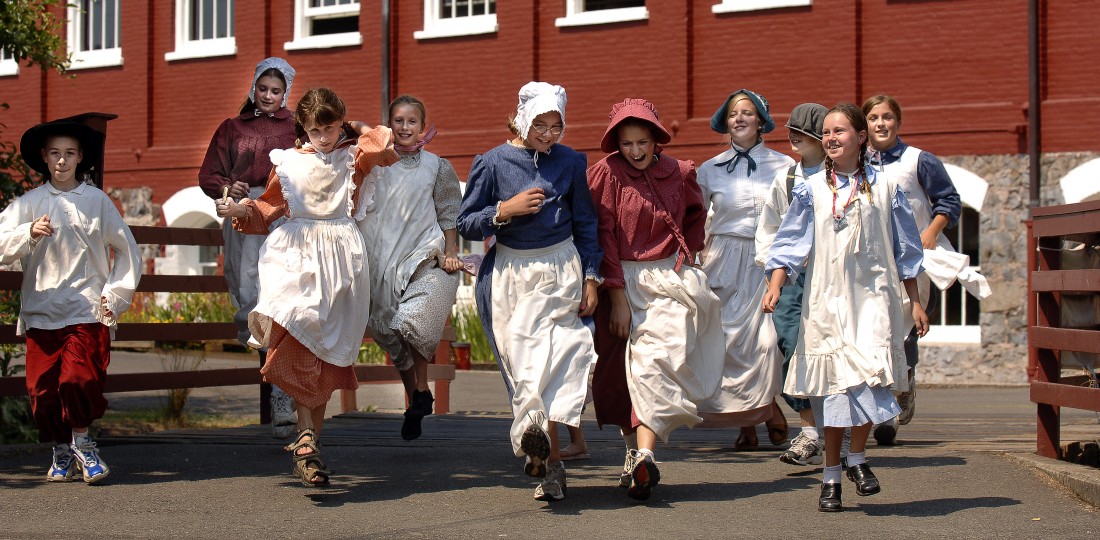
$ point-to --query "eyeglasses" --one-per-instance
(541, 129)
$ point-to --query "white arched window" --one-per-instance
(957, 315)
(189, 207)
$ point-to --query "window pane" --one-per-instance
(222, 10)
(207, 19)
(111, 19)
(229, 17)
(337, 25)
(593, 5)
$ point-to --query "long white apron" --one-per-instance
(402, 234)
(545, 349)
(314, 280)
(675, 351)
(853, 325)
(752, 375)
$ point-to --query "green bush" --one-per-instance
(468, 326)
(371, 354)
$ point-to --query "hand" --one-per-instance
(920, 318)
(525, 202)
(928, 238)
(589, 298)
(239, 190)
(107, 313)
(451, 262)
(41, 227)
(771, 298)
(620, 319)
(228, 208)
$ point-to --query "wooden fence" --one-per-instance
(440, 371)
(1048, 338)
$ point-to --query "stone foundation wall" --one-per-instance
(1001, 358)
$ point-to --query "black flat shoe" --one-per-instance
(866, 483)
(830, 498)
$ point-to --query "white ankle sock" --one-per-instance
(631, 441)
(810, 432)
(646, 451)
(855, 458)
(79, 437)
(832, 475)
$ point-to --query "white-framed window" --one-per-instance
(731, 6)
(447, 18)
(8, 65)
(956, 317)
(585, 12)
(93, 33)
(320, 24)
(204, 28)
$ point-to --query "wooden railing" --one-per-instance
(1048, 227)
(440, 371)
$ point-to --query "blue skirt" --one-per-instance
(856, 406)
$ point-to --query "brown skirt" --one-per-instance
(297, 371)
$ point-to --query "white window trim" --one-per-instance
(471, 25)
(8, 66)
(89, 59)
(575, 15)
(325, 41)
(199, 48)
(734, 6)
(952, 335)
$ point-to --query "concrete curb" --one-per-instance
(1081, 480)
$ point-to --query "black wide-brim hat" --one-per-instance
(34, 140)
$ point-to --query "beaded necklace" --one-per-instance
(840, 220)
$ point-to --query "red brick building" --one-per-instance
(172, 70)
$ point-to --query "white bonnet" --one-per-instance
(536, 98)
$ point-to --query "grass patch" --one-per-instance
(139, 421)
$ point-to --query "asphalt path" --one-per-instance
(956, 474)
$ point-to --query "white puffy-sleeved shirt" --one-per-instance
(64, 275)
(734, 196)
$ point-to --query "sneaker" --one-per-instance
(803, 451)
(644, 476)
(87, 458)
(552, 488)
(886, 433)
(284, 422)
(908, 401)
(628, 465)
(64, 466)
(536, 445)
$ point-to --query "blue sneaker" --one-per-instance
(87, 458)
(63, 467)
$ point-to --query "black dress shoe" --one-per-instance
(830, 498)
(866, 483)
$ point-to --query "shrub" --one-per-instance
(468, 326)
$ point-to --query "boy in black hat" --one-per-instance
(63, 232)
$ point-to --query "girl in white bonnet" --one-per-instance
(540, 277)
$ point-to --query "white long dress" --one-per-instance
(314, 279)
(752, 375)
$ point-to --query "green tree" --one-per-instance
(30, 31)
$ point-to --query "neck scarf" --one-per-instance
(731, 164)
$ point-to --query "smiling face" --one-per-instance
(547, 123)
(62, 154)
(806, 146)
(324, 137)
(884, 124)
(842, 141)
(269, 94)
(636, 144)
(743, 122)
(407, 124)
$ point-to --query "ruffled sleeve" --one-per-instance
(269, 207)
(795, 237)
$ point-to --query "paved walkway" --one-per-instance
(958, 474)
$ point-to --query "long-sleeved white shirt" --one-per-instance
(64, 275)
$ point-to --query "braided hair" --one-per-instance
(858, 121)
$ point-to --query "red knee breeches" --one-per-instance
(66, 371)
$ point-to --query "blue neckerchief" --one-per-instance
(731, 164)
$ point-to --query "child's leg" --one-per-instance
(833, 437)
(84, 361)
(859, 438)
(578, 447)
(555, 443)
(43, 371)
(644, 475)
